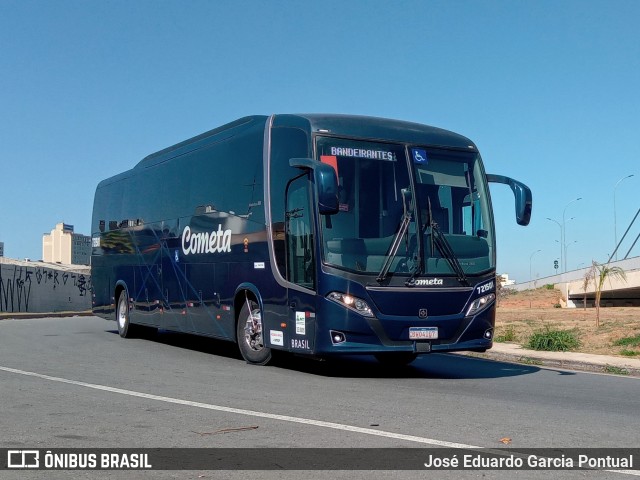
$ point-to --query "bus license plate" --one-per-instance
(423, 333)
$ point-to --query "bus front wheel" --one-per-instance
(251, 336)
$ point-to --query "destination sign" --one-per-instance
(363, 153)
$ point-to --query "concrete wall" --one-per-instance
(574, 275)
(35, 287)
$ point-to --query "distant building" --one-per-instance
(1, 249)
(64, 246)
(504, 280)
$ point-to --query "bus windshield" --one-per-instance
(444, 192)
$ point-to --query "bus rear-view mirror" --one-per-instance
(522, 195)
(326, 184)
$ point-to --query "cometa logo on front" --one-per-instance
(426, 282)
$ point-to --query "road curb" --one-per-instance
(531, 359)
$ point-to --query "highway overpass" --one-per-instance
(614, 293)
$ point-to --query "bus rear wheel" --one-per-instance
(396, 359)
(250, 335)
(125, 328)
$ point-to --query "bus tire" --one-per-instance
(123, 319)
(396, 359)
(250, 335)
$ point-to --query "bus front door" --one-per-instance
(301, 265)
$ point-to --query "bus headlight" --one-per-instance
(352, 303)
(479, 304)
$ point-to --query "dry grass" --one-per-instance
(523, 313)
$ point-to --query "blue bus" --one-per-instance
(315, 234)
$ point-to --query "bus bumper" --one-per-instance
(342, 331)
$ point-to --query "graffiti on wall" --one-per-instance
(19, 284)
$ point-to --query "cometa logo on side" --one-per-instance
(206, 242)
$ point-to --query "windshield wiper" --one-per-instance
(397, 240)
(443, 245)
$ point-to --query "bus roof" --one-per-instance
(212, 136)
(375, 128)
(356, 126)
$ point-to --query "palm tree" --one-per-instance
(601, 273)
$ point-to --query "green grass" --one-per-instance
(553, 340)
(509, 335)
(530, 361)
(615, 370)
(629, 353)
(628, 342)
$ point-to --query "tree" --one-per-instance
(502, 291)
(602, 272)
(499, 288)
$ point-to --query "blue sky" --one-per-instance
(548, 90)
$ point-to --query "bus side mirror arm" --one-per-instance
(326, 183)
(522, 195)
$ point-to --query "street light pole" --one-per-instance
(615, 226)
(564, 236)
(566, 247)
(530, 264)
(559, 225)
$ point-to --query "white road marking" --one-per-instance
(272, 416)
(240, 411)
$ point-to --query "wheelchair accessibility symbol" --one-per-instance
(419, 155)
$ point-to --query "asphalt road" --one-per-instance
(177, 390)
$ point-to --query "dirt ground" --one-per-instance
(519, 314)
